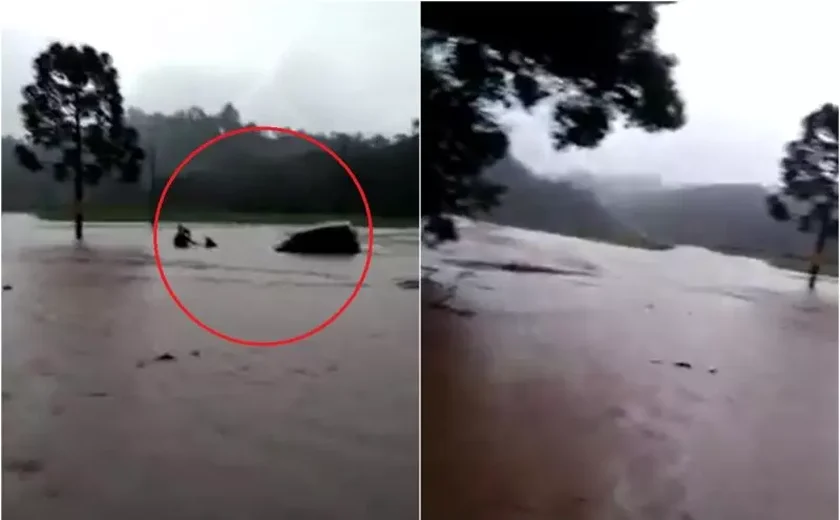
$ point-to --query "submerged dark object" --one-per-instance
(7, 287)
(325, 239)
(209, 243)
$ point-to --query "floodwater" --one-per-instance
(614, 384)
(94, 427)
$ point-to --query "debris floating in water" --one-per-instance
(165, 357)
(195, 353)
(683, 364)
(408, 284)
(7, 287)
(516, 267)
(23, 466)
(462, 313)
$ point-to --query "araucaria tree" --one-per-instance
(593, 62)
(73, 116)
(809, 182)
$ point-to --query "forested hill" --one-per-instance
(724, 217)
(730, 218)
(250, 172)
(556, 206)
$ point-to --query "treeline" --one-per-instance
(249, 172)
(728, 218)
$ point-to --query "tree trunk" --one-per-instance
(152, 198)
(78, 194)
(78, 180)
(822, 237)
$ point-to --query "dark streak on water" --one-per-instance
(515, 267)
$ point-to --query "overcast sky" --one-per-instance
(749, 73)
(343, 66)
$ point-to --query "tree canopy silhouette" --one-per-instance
(809, 182)
(594, 62)
(252, 173)
(73, 112)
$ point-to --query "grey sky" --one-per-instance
(749, 73)
(342, 66)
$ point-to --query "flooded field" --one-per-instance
(99, 423)
(575, 380)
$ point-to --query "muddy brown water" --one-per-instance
(628, 385)
(95, 427)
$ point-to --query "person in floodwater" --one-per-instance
(183, 238)
(209, 243)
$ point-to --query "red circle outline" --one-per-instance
(300, 337)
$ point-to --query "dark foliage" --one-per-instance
(809, 171)
(251, 172)
(73, 112)
(809, 180)
(594, 62)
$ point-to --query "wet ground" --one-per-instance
(572, 380)
(99, 422)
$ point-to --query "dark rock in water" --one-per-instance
(209, 243)
(7, 287)
(326, 239)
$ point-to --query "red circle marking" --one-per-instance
(329, 321)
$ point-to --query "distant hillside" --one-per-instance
(719, 216)
(730, 218)
(538, 203)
